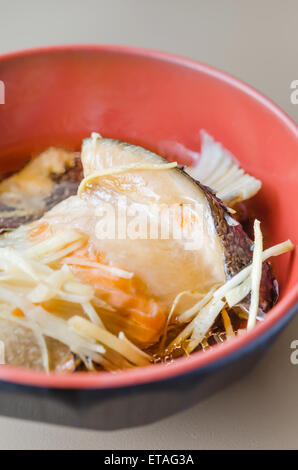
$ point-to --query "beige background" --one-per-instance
(255, 40)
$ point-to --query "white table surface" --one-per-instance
(255, 40)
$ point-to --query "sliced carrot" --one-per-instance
(17, 312)
(141, 316)
(38, 231)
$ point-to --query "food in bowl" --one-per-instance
(118, 258)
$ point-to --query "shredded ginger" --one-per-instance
(28, 283)
(256, 275)
(203, 314)
(39, 283)
(122, 169)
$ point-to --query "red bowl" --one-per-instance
(59, 95)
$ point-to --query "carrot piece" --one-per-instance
(17, 312)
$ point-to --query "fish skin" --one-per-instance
(241, 254)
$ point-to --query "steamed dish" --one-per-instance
(116, 258)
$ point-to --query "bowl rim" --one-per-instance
(199, 360)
